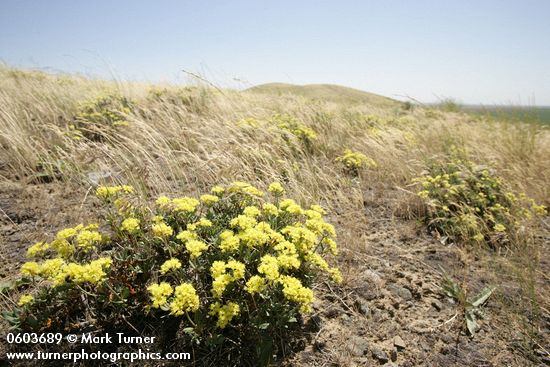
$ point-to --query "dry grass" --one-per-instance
(171, 145)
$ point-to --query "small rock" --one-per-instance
(367, 291)
(357, 346)
(363, 307)
(436, 304)
(393, 355)
(399, 343)
(401, 292)
(307, 356)
(372, 277)
(420, 326)
(425, 346)
(319, 345)
(333, 312)
(380, 355)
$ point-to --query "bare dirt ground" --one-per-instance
(390, 310)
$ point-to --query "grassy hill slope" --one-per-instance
(326, 92)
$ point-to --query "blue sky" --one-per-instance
(474, 51)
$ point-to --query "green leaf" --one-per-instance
(264, 326)
(7, 286)
(482, 297)
(10, 317)
(471, 322)
(125, 293)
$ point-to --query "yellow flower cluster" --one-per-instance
(251, 211)
(130, 225)
(304, 133)
(171, 264)
(269, 266)
(276, 189)
(82, 237)
(106, 110)
(160, 293)
(203, 222)
(163, 201)
(196, 248)
(59, 272)
(255, 284)
(185, 236)
(243, 222)
(38, 249)
(30, 268)
(229, 242)
(185, 300)
(209, 199)
(218, 190)
(292, 125)
(162, 230)
(221, 278)
(107, 192)
(23, 300)
(356, 160)
(290, 206)
(499, 227)
(270, 209)
(294, 291)
(244, 187)
(287, 255)
(225, 313)
(183, 204)
(87, 239)
(92, 272)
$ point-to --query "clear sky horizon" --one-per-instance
(487, 51)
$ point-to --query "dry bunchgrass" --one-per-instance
(184, 146)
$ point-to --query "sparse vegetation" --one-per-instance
(470, 307)
(181, 142)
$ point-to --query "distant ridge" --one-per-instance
(327, 92)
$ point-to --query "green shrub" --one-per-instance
(231, 270)
(449, 105)
(470, 203)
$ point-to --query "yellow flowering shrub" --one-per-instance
(470, 203)
(95, 115)
(238, 265)
(295, 127)
(354, 161)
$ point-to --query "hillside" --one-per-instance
(325, 92)
(435, 219)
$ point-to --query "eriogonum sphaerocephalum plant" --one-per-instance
(235, 261)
